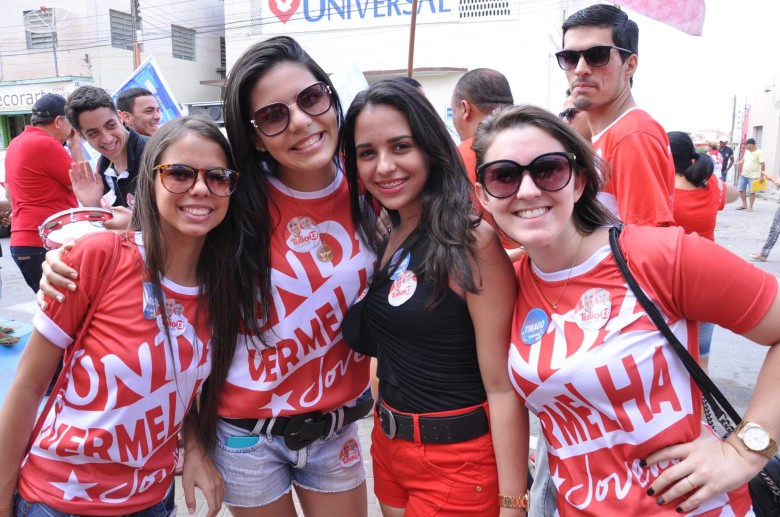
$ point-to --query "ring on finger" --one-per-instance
(693, 485)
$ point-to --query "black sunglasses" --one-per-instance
(568, 114)
(178, 178)
(275, 117)
(549, 171)
(594, 56)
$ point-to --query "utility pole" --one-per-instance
(134, 14)
(412, 30)
(733, 118)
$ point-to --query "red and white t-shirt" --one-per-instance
(607, 387)
(109, 443)
(640, 188)
(307, 365)
(695, 210)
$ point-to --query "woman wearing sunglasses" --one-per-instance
(109, 442)
(437, 317)
(287, 409)
(620, 414)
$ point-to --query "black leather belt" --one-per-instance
(440, 429)
(302, 430)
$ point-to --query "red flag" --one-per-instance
(684, 15)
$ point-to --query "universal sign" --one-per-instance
(289, 16)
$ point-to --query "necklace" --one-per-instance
(571, 268)
(324, 252)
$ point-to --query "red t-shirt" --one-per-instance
(695, 210)
(109, 444)
(607, 387)
(307, 365)
(36, 171)
(640, 189)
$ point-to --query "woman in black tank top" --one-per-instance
(437, 316)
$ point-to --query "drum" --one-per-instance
(72, 224)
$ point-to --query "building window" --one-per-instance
(484, 9)
(758, 131)
(121, 29)
(38, 25)
(183, 43)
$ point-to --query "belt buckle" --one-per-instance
(387, 420)
(293, 432)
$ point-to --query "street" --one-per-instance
(734, 361)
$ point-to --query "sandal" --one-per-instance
(741, 208)
(758, 256)
(9, 340)
(6, 330)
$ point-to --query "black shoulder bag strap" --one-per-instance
(716, 400)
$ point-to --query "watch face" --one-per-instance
(755, 438)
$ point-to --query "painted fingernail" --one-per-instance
(650, 491)
(679, 510)
(60, 298)
(660, 500)
(642, 463)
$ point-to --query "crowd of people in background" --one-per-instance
(377, 268)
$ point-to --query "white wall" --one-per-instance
(85, 49)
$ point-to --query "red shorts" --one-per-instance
(454, 479)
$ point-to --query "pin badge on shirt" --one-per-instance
(403, 265)
(403, 288)
(593, 309)
(302, 234)
(534, 326)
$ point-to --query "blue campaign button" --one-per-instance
(402, 266)
(534, 326)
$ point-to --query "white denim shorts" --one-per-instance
(265, 471)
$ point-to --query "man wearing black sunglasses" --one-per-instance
(600, 58)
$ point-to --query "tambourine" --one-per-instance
(72, 224)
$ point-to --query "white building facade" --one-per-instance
(92, 43)
(516, 37)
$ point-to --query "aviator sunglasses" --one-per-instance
(178, 178)
(594, 56)
(549, 171)
(275, 117)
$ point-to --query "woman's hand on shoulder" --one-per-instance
(56, 274)
(707, 467)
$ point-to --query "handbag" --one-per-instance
(78, 342)
(763, 488)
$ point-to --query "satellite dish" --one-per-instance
(47, 20)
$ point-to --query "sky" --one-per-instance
(687, 82)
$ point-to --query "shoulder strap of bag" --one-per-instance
(711, 393)
(77, 344)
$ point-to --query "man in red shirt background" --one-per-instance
(37, 178)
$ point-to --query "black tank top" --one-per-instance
(427, 357)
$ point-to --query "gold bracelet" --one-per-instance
(514, 502)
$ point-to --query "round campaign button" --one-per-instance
(403, 288)
(534, 326)
(593, 309)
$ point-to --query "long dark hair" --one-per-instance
(448, 218)
(253, 64)
(226, 297)
(589, 214)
